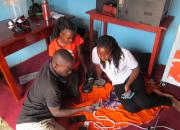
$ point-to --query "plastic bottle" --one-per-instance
(45, 10)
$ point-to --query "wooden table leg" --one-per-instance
(47, 40)
(91, 26)
(105, 28)
(8, 77)
(155, 51)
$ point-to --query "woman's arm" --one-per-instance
(132, 77)
(98, 71)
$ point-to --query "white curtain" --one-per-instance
(19, 8)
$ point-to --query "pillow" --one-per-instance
(143, 60)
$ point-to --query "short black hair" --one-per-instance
(110, 43)
(61, 24)
(64, 54)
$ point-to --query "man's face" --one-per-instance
(67, 36)
(62, 69)
(104, 54)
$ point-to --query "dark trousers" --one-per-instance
(141, 100)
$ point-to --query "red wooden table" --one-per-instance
(10, 43)
(159, 31)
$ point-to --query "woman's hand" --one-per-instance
(133, 76)
(127, 88)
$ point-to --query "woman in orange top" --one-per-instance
(65, 37)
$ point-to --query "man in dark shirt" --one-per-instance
(44, 100)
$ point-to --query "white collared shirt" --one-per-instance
(126, 64)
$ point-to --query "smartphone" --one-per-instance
(83, 128)
(79, 118)
(127, 95)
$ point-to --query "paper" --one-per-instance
(56, 15)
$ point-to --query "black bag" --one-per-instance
(35, 9)
(143, 60)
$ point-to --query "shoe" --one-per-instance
(88, 84)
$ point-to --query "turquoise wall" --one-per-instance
(129, 38)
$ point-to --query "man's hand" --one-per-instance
(88, 109)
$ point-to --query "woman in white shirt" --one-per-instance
(122, 69)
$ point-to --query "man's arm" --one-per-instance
(57, 112)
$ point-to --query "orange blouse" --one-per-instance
(72, 48)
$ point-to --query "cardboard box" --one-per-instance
(149, 12)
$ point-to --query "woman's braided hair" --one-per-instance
(111, 44)
(61, 24)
